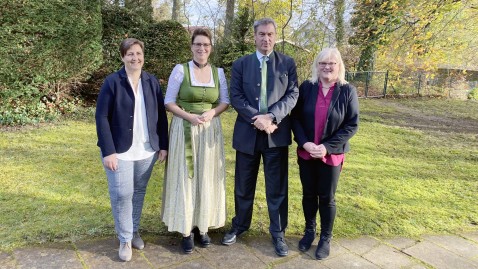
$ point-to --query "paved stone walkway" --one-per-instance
(444, 251)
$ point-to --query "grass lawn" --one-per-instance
(413, 170)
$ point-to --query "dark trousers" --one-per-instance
(319, 183)
(276, 169)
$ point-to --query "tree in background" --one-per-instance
(142, 8)
(240, 42)
(176, 10)
(229, 17)
(373, 21)
(421, 34)
(339, 6)
(432, 34)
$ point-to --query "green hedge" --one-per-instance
(52, 41)
(45, 46)
(118, 24)
(166, 43)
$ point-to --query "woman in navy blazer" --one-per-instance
(323, 121)
(132, 131)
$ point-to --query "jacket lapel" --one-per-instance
(335, 98)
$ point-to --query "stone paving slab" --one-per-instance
(238, 255)
(103, 253)
(264, 249)
(388, 257)
(349, 260)
(301, 262)
(6, 261)
(453, 243)
(199, 264)
(471, 236)
(360, 245)
(401, 242)
(165, 251)
(439, 257)
(335, 249)
(48, 256)
(448, 251)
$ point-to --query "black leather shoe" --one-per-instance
(187, 243)
(280, 246)
(323, 249)
(306, 241)
(230, 237)
(204, 240)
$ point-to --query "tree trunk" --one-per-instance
(229, 17)
(176, 8)
(339, 22)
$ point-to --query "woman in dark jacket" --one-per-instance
(323, 121)
(132, 131)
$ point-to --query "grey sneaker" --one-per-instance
(137, 242)
(125, 252)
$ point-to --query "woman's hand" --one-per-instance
(315, 151)
(195, 119)
(208, 115)
(111, 162)
(162, 155)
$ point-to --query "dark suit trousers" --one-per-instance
(319, 183)
(276, 177)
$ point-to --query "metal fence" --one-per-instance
(369, 83)
(382, 83)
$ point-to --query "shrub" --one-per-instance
(45, 45)
(118, 24)
(238, 43)
(166, 43)
(55, 40)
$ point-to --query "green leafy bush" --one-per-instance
(55, 40)
(166, 43)
(45, 45)
(239, 43)
(118, 24)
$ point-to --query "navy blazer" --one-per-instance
(115, 111)
(342, 117)
(245, 90)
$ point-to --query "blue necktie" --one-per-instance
(263, 102)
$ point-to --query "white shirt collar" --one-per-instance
(260, 55)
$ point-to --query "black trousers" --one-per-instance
(276, 170)
(319, 183)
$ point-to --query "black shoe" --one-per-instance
(204, 240)
(323, 249)
(187, 243)
(230, 237)
(280, 246)
(306, 241)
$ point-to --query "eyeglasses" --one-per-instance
(198, 45)
(324, 64)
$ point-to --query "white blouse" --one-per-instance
(140, 148)
(176, 78)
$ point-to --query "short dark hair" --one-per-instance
(128, 43)
(264, 21)
(201, 31)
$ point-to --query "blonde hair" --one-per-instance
(324, 55)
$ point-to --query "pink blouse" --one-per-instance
(321, 109)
